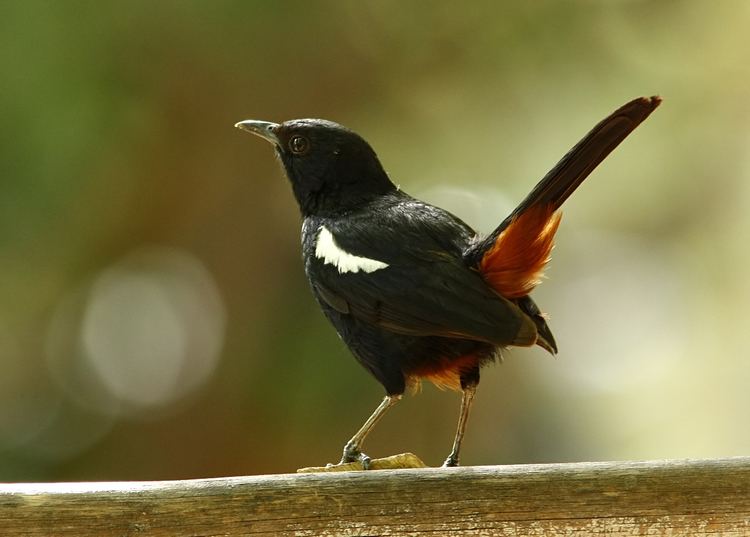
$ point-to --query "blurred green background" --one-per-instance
(154, 317)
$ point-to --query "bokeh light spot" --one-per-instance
(153, 326)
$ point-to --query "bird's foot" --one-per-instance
(352, 453)
(451, 461)
(354, 456)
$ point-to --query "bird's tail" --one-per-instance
(512, 258)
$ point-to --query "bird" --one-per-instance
(412, 290)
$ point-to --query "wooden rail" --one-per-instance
(690, 497)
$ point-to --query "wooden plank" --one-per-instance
(690, 497)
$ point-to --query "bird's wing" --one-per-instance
(400, 267)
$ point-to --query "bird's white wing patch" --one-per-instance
(332, 254)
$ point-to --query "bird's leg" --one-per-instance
(352, 449)
(466, 400)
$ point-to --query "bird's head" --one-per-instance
(331, 168)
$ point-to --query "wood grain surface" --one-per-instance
(686, 497)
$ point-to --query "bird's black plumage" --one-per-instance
(413, 290)
(426, 302)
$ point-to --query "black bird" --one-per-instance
(414, 291)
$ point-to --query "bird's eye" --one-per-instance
(299, 144)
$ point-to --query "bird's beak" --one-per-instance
(264, 129)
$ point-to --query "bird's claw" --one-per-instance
(365, 460)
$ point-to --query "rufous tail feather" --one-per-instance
(515, 263)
